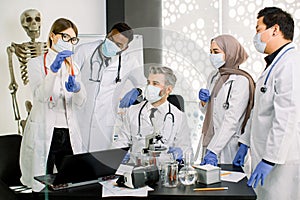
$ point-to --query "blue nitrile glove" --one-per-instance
(177, 153)
(126, 158)
(240, 156)
(60, 57)
(129, 98)
(72, 85)
(260, 173)
(204, 95)
(210, 158)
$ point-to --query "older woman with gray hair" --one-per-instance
(227, 101)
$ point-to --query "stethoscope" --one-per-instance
(97, 50)
(166, 115)
(263, 89)
(226, 104)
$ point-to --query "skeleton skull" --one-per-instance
(31, 22)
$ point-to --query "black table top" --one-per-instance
(238, 190)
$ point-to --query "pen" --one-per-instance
(225, 173)
(210, 189)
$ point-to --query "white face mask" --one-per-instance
(62, 45)
(152, 93)
(216, 60)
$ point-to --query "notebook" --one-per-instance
(83, 169)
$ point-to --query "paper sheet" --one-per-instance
(124, 168)
(21, 189)
(110, 189)
(232, 176)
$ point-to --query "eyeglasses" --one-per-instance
(67, 38)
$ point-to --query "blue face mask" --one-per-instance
(258, 44)
(216, 60)
(62, 45)
(109, 48)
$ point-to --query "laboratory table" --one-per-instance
(238, 190)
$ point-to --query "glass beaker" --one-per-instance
(169, 174)
(187, 174)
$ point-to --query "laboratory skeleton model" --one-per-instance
(31, 22)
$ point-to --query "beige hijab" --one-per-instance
(235, 55)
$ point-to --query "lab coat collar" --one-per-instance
(266, 71)
(269, 59)
(290, 45)
(232, 77)
(282, 51)
(163, 108)
(217, 75)
(51, 55)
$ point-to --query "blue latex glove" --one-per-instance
(60, 57)
(129, 98)
(260, 173)
(204, 95)
(240, 156)
(177, 153)
(72, 85)
(210, 158)
(126, 158)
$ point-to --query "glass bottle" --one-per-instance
(187, 174)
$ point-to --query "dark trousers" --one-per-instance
(60, 147)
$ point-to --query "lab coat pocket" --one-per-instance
(109, 75)
(293, 142)
(32, 129)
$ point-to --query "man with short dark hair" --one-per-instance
(106, 70)
(272, 132)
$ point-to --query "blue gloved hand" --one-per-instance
(240, 156)
(260, 173)
(126, 158)
(129, 98)
(60, 57)
(72, 85)
(204, 95)
(177, 153)
(210, 158)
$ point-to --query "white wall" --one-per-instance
(88, 15)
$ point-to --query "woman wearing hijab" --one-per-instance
(227, 101)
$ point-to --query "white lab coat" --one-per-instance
(227, 123)
(98, 117)
(273, 131)
(40, 124)
(178, 136)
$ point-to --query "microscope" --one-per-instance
(154, 143)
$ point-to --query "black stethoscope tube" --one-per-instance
(101, 65)
(140, 112)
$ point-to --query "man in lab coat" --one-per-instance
(106, 69)
(156, 118)
(273, 131)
